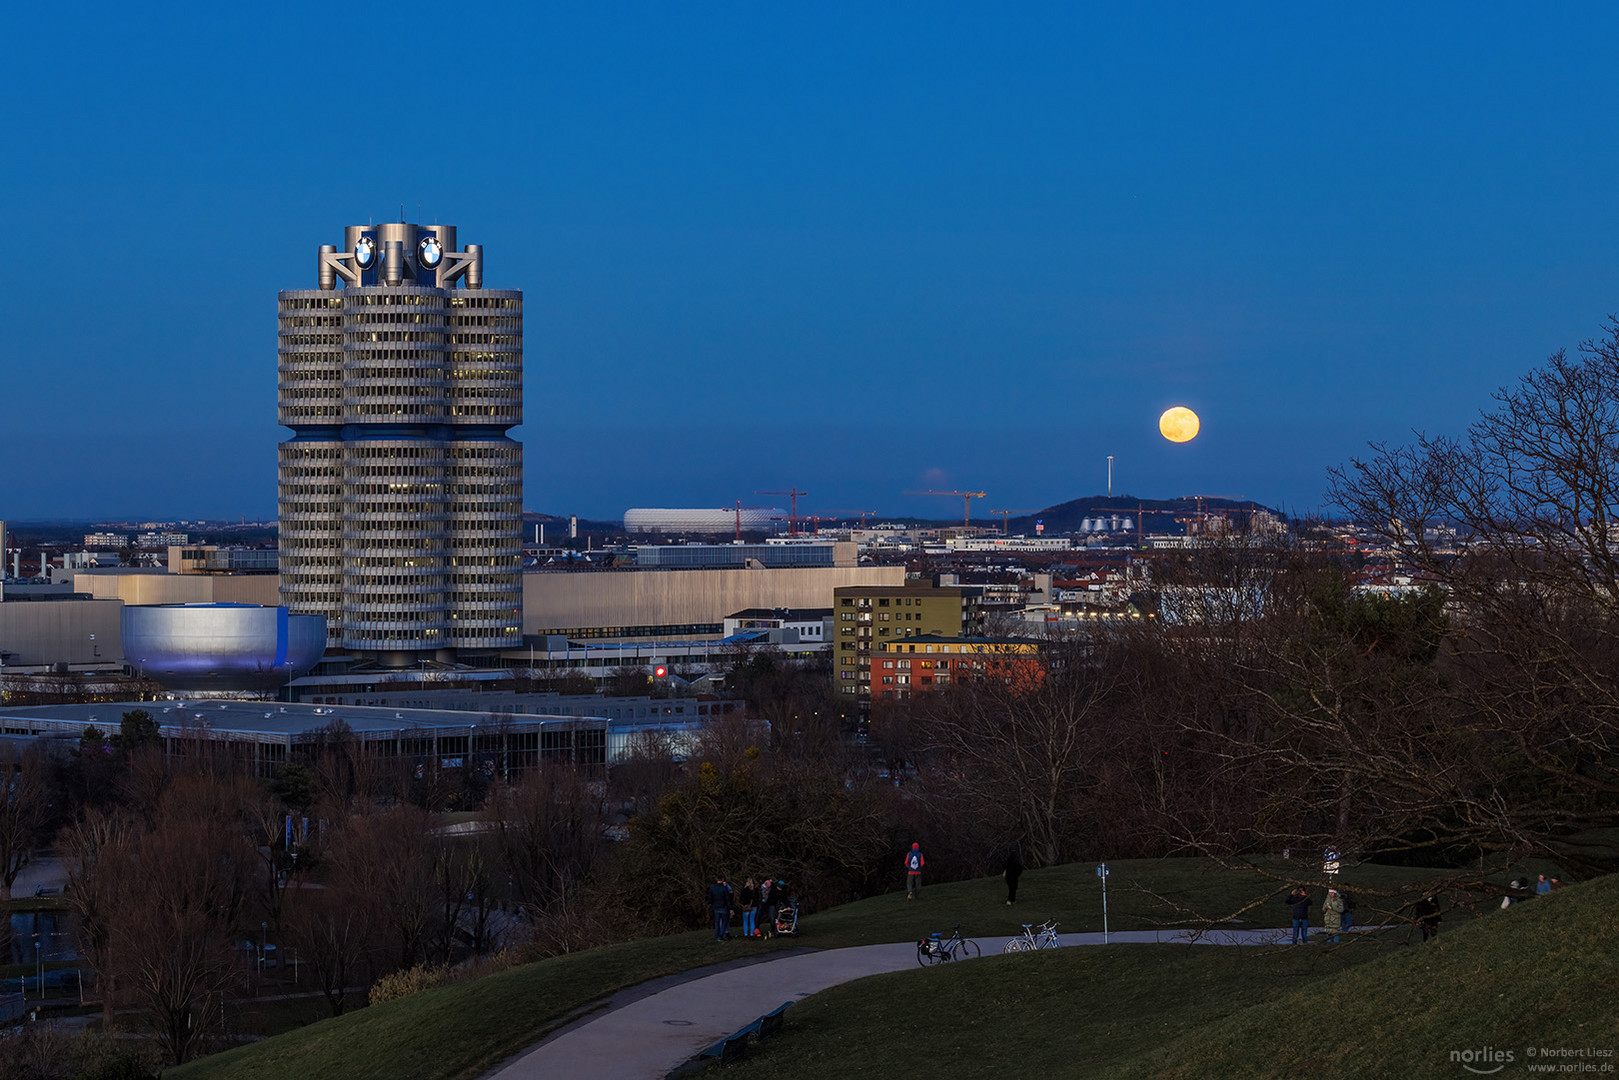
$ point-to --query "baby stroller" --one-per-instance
(787, 918)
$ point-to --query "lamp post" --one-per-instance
(1102, 872)
(39, 966)
(264, 941)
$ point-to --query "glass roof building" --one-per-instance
(400, 492)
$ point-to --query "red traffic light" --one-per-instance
(659, 672)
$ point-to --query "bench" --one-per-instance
(734, 1046)
(770, 1023)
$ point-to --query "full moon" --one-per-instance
(1179, 424)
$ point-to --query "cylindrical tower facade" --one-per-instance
(401, 495)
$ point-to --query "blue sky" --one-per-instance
(860, 252)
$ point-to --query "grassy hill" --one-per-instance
(1542, 974)
(457, 1032)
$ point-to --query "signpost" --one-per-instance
(1101, 872)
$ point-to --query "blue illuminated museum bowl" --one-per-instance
(221, 646)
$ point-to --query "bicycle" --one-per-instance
(936, 948)
(1030, 941)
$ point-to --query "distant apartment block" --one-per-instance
(868, 617)
(918, 665)
(105, 540)
(161, 539)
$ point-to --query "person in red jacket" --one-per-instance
(913, 872)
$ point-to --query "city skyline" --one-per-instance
(856, 253)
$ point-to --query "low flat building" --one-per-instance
(769, 555)
(263, 736)
(784, 625)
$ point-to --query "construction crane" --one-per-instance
(1202, 518)
(792, 520)
(1008, 513)
(967, 498)
(738, 512)
(841, 514)
(1141, 513)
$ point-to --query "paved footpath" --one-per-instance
(650, 1036)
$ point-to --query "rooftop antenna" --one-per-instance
(401, 213)
(1110, 476)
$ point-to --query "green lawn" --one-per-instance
(1544, 973)
(1070, 1013)
(457, 1032)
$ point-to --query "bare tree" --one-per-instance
(96, 851)
(647, 769)
(385, 858)
(25, 810)
(178, 927)
(548, 832)
(1021, 746)
(159, 901)
(331, 933)
(1518, 522)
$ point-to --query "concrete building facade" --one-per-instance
(154, 586)
(72, 632)
(400, 492)
(649, 604)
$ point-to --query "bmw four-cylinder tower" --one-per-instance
(400, 492)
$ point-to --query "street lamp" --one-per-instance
(264, 941)
(39, 967)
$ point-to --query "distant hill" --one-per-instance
(1160, 514)
(1065, 517)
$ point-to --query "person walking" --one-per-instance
(1332, 914)
(1013, 871)
(767, 901)
(1426, 912)
(1299, 901)
(1349, 908)
(719, 898)
(749, 903)
(913, 872)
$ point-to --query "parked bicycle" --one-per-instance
(1030, 941)
(936, 948)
